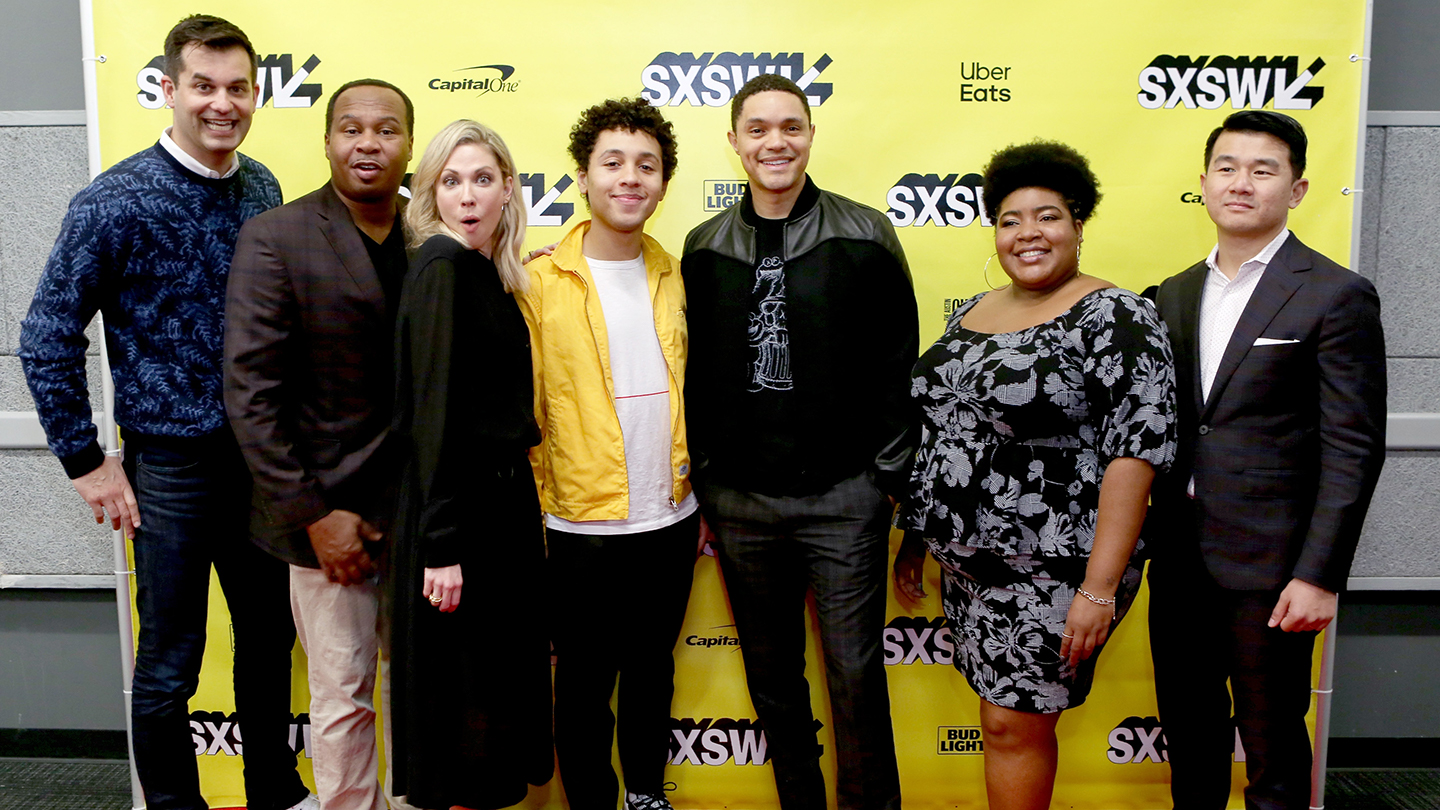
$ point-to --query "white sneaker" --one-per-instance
(647, 801)
(310, 802)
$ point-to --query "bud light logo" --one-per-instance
(721, 194)
(960, 741)
(712, 80)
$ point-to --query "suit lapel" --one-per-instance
(344, 238)
(1190, 286)
(1279, 282)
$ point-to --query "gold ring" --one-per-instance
(435, 600)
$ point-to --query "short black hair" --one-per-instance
(208, 32)
(1265, 122)
(764, 83)
(409, 108)
(1042, 164)
(628, 114)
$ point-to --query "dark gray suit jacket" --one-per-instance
(1286, 452)
(309, 371)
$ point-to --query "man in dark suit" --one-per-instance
(309, 386)
(1280, 371)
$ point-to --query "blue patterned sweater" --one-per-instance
(148, 244)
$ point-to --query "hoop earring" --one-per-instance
(986, 273)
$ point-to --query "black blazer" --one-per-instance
(309, 371)
(1286, 452)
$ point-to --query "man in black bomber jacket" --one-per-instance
(803, 332)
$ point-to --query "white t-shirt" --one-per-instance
(642, 401)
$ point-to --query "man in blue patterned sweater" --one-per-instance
(148, 244)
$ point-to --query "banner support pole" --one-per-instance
(109, 436)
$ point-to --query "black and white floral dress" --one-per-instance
(1018, 429)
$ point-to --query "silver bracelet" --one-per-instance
(1093, 598)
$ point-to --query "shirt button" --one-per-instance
(1204, 429)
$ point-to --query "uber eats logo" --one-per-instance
(917, 200)
(915, 639)
(716, 741)
(1179, 81)
(278, 79)
(711, 80)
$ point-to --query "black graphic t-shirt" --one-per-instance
(771, 392)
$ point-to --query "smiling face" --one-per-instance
(1037, 239)
(470, 194)
(368, 145)
(772, 137)
(214, 99)
(623, 181)
(1249, 185)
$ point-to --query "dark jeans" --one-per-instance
(194, 499)
(624, 602)
(1202, 635)
(772, 551)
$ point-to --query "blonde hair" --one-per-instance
(423, 217)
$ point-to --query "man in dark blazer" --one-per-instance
(1280, 371)
(309, 387)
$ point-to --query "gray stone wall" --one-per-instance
(1399, 235)
(48, 529)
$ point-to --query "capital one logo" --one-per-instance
(915, 639)
(279, 82)
(710, 80)
(541, 208)
(1179, 81)
(951, 201)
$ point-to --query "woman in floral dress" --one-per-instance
(1046, 408)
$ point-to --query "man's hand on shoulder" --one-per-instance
(339, 542)
(1302, 607)
(107, 490)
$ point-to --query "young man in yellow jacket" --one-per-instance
(608, 339)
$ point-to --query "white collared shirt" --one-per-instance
(1223, 301)
(191, 163)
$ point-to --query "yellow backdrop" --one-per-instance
(909, 100)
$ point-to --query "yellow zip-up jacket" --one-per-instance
(580, 462)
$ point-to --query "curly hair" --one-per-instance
(1042, 164)
(630, 115)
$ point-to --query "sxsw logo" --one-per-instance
(490, 79)
(218, 734)
(541, 208)
(917, 200)
(710, 80)
(1141, 739)
(276, 77)
(959, 740)
(1179, 81)
(718, 741)
(721, 194)
(912, 639)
